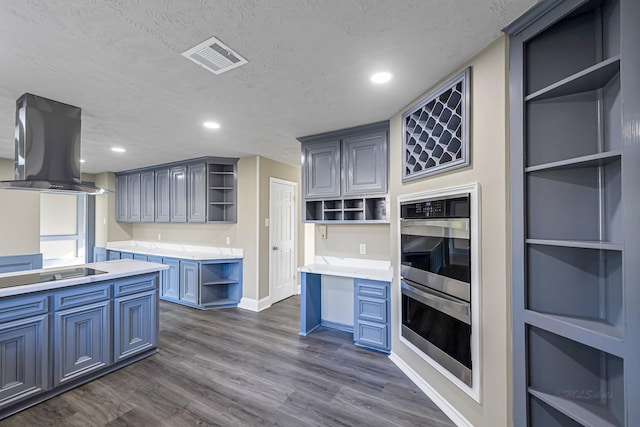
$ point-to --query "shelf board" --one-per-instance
(219, 282)
(585, 244)
(353, 209)
(221, 173)
(222, 301)
(587, 414)
(332, 210)
(592, 160)
(595, 334)
(221, 203)
(592, 78)
(221, 188)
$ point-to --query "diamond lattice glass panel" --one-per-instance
(435, 132)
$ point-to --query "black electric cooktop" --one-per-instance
(47, 276)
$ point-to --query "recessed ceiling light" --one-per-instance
(118, 149)
(82, 160)
(381, 77)
(211, 125)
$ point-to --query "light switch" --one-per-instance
(363, 248)
(228, 240)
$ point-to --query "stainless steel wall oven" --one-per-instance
(435, 247)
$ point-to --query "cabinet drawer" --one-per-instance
(134, 285)
(370, 334)
(19, 307)
(371, 288)
(76, 296)
(371, 309)
(126, 255)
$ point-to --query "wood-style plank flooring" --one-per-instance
(238, 368)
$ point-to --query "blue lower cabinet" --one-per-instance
(135, 327)
(23, 353)
(83, 341)
(140, 257)
(126, 255)
(113, 255)
(371, 335)
(170, 288)
(189, 281)
(372, 312)
(11, 263)
(99, 254)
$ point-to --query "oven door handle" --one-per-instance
(456, 309)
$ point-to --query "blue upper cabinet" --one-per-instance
(365, 162)
(178, 193)
(321, 169)
(147, 196)
(133, 197)
(197, 194)
(121, 198)
(162, 211)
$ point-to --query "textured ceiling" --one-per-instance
(308, 71)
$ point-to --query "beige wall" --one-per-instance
(489, 168)
(343, 240)
(19, 217)
(270, 168)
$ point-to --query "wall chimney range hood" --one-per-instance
(47, 147)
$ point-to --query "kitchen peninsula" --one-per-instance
(60, 328)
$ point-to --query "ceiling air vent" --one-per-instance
(215, 56)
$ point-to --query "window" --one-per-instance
(63, 230)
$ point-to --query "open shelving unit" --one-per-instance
(574, 292)
(220, 283)
(221, 192)
(365, 209)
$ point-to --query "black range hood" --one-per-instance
(47, 147)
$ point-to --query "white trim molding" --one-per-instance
(431, 393)
(252, 304)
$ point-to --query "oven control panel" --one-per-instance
(457, 207)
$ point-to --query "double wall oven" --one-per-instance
(435, 245)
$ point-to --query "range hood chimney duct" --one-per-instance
(47, 147)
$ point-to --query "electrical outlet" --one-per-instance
(323, 232)
(159, 236)
(104, 221)
(266, 222)
(363, 248)
(228, 240)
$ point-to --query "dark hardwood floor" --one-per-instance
(238, 368)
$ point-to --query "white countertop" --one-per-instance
(350, 267)
(175, 250)
(114, 270)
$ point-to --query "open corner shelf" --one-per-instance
(591, 415)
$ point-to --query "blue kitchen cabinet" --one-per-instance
(134, 324)
(133, 197)
(321, 169)
(121, 199)
(126, 255)
(140, 257)
(197, 192)
(99, 254)
(189, 281)
(372, 312)
(24, 369)
(178, 193)
(83, 343)
(365, 162)
(147, 196)
(113, 255)
(170, 287)
(162, 206)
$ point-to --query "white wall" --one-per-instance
(489, 157)
(19, 217)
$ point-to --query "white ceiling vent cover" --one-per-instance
(215, 56)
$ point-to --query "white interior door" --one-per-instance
(282, 239)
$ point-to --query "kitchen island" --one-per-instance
(60, 328)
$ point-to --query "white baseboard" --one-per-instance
(254, 304)
(436, 397)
